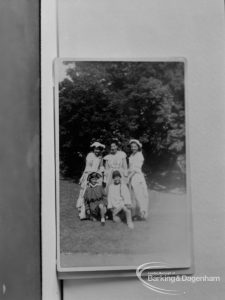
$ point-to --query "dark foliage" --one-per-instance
(123, 100)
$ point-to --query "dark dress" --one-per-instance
(93, 196)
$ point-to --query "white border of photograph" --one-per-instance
(111, 271)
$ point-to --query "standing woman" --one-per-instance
(136, 178)
(94, 163)
(115, 161)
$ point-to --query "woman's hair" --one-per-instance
(115, 141)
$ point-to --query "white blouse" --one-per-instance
(92, 162)
(136, 161)
(115, 161)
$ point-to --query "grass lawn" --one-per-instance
(164, 229)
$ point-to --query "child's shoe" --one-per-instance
(103, 221)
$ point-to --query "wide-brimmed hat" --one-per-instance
(136, 142)
(94, 175)
(97, 145)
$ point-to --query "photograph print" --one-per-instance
(121, 164)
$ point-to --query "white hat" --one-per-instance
(136, 142)
(97, 144)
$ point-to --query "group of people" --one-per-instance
(113, 185)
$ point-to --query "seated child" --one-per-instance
(119, 199)
(95, 199)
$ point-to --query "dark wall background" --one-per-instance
(20, 276)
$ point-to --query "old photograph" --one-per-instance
(121, 164)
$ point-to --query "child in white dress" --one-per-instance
(119, 199)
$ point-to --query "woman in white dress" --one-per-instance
(115, 160)
(136, 178)
(94, 163)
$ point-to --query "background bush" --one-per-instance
(123, 100)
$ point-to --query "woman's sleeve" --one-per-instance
(123, 154)
(106, 157)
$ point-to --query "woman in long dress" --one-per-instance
(136, 178)
(94, 163)
(115, 161)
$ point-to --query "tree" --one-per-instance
(123, 100)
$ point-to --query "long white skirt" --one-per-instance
(140, 191)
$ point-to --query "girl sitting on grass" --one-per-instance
(94, 163)
(119, 199)
(95, 199)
